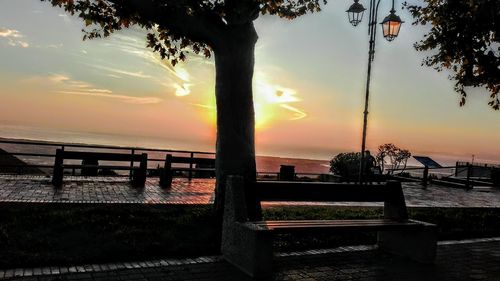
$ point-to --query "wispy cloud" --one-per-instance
(105, 94)
(183, 90)
(13, 37)
(137, 74)
(298, 114)
(55, 46)
(10, 33)
(268, 95)
(135, 46)
(70, 86)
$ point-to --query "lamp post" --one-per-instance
(390, 28)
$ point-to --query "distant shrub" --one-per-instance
(346, 165)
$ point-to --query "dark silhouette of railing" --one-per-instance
(153, 162)
(464, 174)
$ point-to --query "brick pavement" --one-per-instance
(31, 189)
(200, 191)
(456, 260)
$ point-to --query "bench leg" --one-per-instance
(417, 244)
(138, 179)
(249, 250)
(58, 171)
(165, 178)
(139, 176)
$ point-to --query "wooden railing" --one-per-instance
(45, 159)
(44, 155)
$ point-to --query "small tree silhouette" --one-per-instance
(392, 155)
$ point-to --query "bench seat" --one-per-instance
(138, 175)
(193, 169)
(197, 165)
(331, 225)
(76, 166)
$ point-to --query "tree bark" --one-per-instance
(235, 147)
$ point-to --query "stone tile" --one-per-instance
(31, 189)
(453, 262)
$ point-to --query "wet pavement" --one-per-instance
(36, 189)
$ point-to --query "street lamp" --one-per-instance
(355, 13)
(391, 25)
(390, 28)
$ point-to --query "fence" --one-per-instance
(476, 170)
(38, 157)
(463, 174)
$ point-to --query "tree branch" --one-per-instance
(181, 21)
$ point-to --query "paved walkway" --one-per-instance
(32, 189)
(456, 260)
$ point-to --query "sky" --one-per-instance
(309, 87)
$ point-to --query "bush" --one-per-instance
(346, 165)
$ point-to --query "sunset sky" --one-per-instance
(308, 89)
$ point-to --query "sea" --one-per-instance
(265, 163)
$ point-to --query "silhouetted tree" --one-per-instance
(222, 27)
(464, 38)
(390, 154)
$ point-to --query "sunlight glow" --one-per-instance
(272, 104)
(182, 90)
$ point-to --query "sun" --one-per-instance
(272, 104)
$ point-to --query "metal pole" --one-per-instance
(372, 31)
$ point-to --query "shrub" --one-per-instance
(346, 165)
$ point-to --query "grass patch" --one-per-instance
(64, 234)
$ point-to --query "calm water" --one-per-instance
(264, 163)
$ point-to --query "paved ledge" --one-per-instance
(473, 259)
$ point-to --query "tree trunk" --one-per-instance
(235, 147)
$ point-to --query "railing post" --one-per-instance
(58, 171)
(456, 169)
(131, 164)
(191, 166)
(469, 171)
(425, 177)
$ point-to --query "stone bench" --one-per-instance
(196, 166)
(138, 172)
(249, 244)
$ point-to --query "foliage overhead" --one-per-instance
(464, 38)
(179, 27)
(394, 156)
